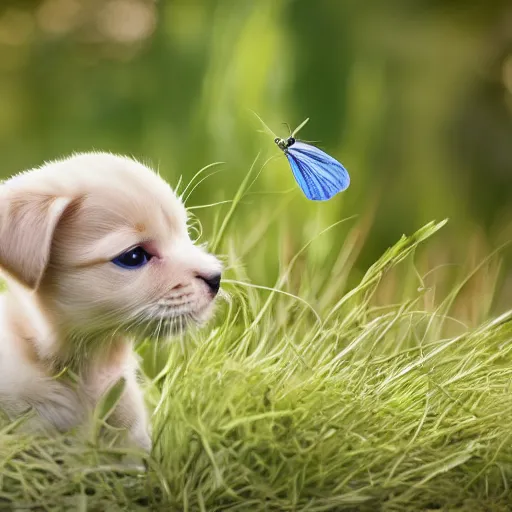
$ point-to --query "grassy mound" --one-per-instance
(281, 407)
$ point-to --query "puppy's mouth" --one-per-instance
(162, 328)
(161, 321)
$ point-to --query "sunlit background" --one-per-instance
(414, 97)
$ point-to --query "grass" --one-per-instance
(333, 402)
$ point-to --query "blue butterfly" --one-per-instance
(319, 175)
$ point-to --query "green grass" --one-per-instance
(325, 402)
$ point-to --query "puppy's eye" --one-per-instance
(134, 258)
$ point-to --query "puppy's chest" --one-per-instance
(93, 376)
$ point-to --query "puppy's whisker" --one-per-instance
(159, 327)
(198, 173)
(185, 198)
(178, 185)
(225, 296)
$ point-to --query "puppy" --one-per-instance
(96, 254)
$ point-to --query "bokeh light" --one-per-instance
(415, 98)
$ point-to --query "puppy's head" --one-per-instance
(102, 241)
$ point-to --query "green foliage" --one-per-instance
(174, 83)
(281, 407)
(332, 379)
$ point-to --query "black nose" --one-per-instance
(213, 282)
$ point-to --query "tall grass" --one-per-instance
(325, 401)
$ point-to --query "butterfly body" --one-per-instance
(319, 175)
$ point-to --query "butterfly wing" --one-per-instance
(319, 175)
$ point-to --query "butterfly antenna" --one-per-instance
(289, 129)
(267, 129)
(301, 125)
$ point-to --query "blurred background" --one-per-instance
(413, 96)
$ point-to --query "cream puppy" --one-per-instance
(96, 254)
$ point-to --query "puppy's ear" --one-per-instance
(27, 224)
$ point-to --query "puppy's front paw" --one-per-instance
(140, 438)
(140, 444)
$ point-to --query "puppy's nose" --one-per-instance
(213, 282)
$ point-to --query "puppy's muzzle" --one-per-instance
(213, 282)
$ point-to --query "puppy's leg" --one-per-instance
(130, 413)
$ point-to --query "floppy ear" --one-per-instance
(27, 224)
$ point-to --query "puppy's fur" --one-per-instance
(69, 307)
